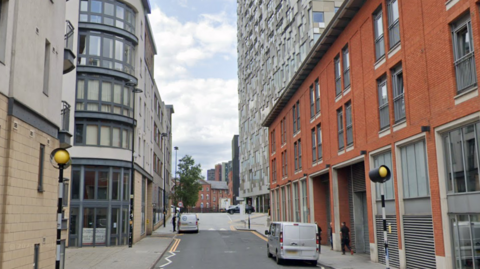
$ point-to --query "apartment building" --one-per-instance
(121, 155)
(274, 37)
(211, 174)
(35, 52)
(392, 83)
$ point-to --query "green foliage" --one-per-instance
(188, 187)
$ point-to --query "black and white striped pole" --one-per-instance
(60, 159)
(382, 175)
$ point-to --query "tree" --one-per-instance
(188, 185)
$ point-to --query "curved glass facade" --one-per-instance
(103, 94)
(102, 133)
(108, 12)
(99, 206)
(106, 50)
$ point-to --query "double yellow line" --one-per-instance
(175, 245)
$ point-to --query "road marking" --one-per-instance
(260, 236)
(230, 219)
(223, 229)
(211, 229)
(172, 252)
(232, 228)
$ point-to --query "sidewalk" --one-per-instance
(328, 258)
(143, 254)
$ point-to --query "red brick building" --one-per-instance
(389, 82)
(210, 194)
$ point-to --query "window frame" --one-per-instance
(407, 193)
(128, 26)
(383, 106)
(319, 143)
(312, 102)
(465, 61)
(338, 76)
(317, 97)
(379, 39)
(393, 23)
(398, 94)
(41, 167)
(101, 123)
(340, 130)
(346, 67)
(314, 145)
(349, 123)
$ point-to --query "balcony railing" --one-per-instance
(65, 116)
(69, 31)
(465, 72)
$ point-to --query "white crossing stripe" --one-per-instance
(211, 229)
(223, 229)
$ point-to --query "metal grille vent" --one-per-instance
(394, 259)
(419, 242)
(358, 175)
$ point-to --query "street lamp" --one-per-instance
(164, 177)
(60, 159)
(134, 90)
(176, 193)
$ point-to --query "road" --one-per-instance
(218, 246)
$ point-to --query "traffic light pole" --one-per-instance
(385, 240)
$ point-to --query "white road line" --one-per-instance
(222, 229)
(167, 258)
(211, 229)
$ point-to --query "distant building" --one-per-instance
(211, 174)
(210, 194)
(235, 169)
(218, 172)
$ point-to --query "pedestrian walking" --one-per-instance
(174, 221)
(330, 234)
(345, 238)
(319, 237)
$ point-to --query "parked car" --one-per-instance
(293, 241)
(236, 209)
(188, 222)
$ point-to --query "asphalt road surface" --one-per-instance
(219, 246)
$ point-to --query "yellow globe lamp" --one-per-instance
(61, 156)
(383, 171)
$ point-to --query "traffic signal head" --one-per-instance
(380, 174)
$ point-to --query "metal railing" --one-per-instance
(379, 47)
(394, 33)
(399, 107)
(384, 116)
(65, 116)
(69, 34)
(465, 72)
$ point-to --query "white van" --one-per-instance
(293, 241)
(188, 222)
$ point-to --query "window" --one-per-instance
(338, 71)
(46, 68)
(379, 42)
(208, 188)
(317, 97)
(303, 185)
(340, 129)
(208, 205)
(113, 13)
(36, 256)
(464, 54)
(318, 17)
(104, 94)
(214, 198)
(284, 164)
(296, 203)
(294, 113)
(312, 102)
(144, 185)
(102, 133)
(393, 23)
(349, 123)
(272, 138)
(3, 28)
(314, 146)
(383, 103)
(319, 143)
(208, 197)
(201, 195)
(295, 153)
(274, 170)
(282, 131)
(107, 51)
(299, 155)
(298, 116)
(288, 203)
(461, 150)
(414, 170)
(398, 96)
(465, 239)
(384, 159)
(346, 68)
(41, 161)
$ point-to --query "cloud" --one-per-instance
(185, 45)
(206, 114)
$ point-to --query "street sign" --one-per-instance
(180, 204)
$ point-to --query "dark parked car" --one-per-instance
(236, 209)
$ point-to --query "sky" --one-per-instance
(196, 72)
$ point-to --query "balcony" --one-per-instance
(68, 55)
(64, 135)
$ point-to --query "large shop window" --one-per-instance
(461, 159)
(108, 12)
(100, 183)
(108, 51)
(466, 240)
(103, 94)
(414, 170)
(102, 133)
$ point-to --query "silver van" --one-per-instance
(293, 241)
(188, 222)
